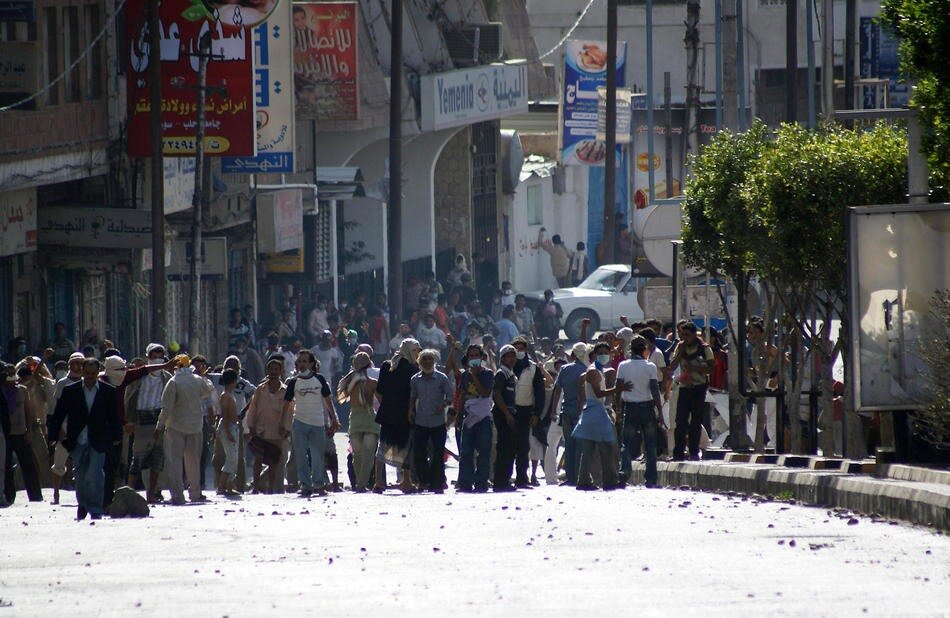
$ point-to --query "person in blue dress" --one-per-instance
(595, 429)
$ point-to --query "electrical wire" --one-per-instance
(75, 63)
(570, 31)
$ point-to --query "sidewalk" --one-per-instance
(893, 491)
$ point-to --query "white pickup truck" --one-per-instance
(605, 295)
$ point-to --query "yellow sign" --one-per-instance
(288, 262)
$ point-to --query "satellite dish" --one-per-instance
(663, 225)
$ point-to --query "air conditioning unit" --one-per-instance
(473, 44)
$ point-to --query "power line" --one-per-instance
(75, 63)
(570, 31)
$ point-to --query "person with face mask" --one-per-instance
(142, 401)
(475, 384)
(307, 398)
(53, 425)
(430, 335)
(639, 419)
(595, 429)
(529, 404)
(358, 388)
(430, 394)
(393, 390)
(506, 424)
(317, 320)
(19, 435)
(250, 360)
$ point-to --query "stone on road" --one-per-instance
(549, 550)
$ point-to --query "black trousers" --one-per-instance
(689, 419)
(430, 468)
(110, 468)
(512, 448)
(31, 480)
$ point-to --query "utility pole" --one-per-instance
(791, 60)
(849, 27)
(828, 59)
(394, 206)
(610, 162)
(668, 135)
(158, 175)
(198, 197)
(692, 78)
(730, 74)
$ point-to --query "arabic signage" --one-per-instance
(248, 13)
(19, 67)
(280, 221)
(462, 97)
(585, 70)
(272, 44)
(622, 125)
(325, 61)
(18, 10)
(229, 102)
(17, 222)
(214, 259)
(84, 226)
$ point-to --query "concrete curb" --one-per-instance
(923, 503)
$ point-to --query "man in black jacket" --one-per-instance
(91, 409)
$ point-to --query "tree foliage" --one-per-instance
(923, 27)
(933, 423)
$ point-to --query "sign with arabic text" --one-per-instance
(462, 97)
(214, 259)
(18, 10)
(85, 226)
(19, 67)
(280, 221)
(273, 46)
(585, 70)
(325, 61)
(17, 221)
(229, 101)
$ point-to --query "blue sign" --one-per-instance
(585, 69)
(17, 10)
(880, 58)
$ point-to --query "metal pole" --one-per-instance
(810, 35)
(718, 64)
(730, 105)
(198, 198)
(828, 59)
(334, 249)
(651, 174)
(849, 27)
(610, 162)
(668, 135)
(740, 62)
(676, 281)
(158, 175)
(394, 230)
(791, 60)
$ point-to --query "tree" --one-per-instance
(933, 423)
(923, 27)
(775, 206)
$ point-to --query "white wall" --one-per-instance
(565, 214)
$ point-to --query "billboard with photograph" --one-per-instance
(900, 256)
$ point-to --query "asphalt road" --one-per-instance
(550, 550)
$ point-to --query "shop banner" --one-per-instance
(458, 98)
(280, 221)
(325, 60)
(20, 67)
(17, 222)
(214, 259)
(82, 226)
(229, 103)
(272, 43)
(585, 70)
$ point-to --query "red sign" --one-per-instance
(229, 99)
(325, 71)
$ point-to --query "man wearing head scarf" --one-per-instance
(566, 389)
(141, 404)
(393, 389)
(182, 419)
(358, 387)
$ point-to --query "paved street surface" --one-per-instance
(549, 550)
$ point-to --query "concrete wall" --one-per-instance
(564, 214)
(453, 196)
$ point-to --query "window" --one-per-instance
(92, 25)
(534, 205)
(71, 48)
(51, 43)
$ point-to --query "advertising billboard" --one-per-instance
(325, 60)
(585, 70)
(229, 101)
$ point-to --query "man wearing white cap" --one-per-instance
(60, 454)
(182, 419)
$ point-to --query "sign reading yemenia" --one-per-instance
(486, 92)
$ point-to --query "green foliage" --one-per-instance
(924, 30)
(933, 423)
(799, 193)
(720, 234)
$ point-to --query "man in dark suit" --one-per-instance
(91, 409)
